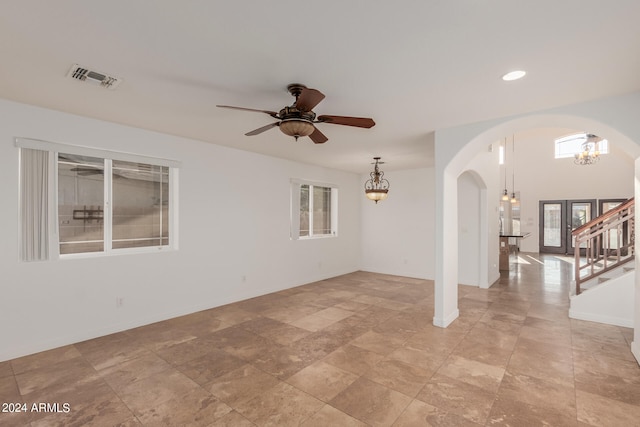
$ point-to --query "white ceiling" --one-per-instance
(414, 66)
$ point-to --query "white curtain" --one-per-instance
(34, 209)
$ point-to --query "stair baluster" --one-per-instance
(595, 238)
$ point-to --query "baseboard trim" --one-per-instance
(608, 320)
(635, 350)
(492, 281)
(443, 322)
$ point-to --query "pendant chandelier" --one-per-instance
(590, 153)
(505, 194)
(513, 170)
(376, 188)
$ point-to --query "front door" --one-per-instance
(553, 223)
(580, 212)
(615, 240)
(558, 218)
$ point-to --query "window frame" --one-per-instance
(574, 142)
(296, 187)
(108, 156)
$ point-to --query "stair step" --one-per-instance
(596, 281)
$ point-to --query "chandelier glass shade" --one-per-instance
(589, 154)
(296, 127)
(376, 188)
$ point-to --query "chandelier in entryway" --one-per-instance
(590, 153)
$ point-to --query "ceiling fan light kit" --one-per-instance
(297, 127)
(298, 120)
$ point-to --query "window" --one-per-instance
(568, 146)
(314, 210)
(100, 204)
(81, 202)
(139, 204)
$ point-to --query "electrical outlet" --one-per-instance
(119, 302)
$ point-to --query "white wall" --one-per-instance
(397, 233)
(234, 222)
(611, 302)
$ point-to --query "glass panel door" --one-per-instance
(553, 226)
(558, 218)
(614, 241)
(580, 212)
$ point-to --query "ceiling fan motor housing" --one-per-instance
(296, 123)
(288, 113)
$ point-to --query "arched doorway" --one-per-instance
(456, 147)
(472, 234)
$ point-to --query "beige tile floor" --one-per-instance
(355, 350)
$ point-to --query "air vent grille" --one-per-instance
(96, 78)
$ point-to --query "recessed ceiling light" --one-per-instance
(514, 75)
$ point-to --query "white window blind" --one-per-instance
(34, 205)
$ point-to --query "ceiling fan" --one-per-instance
(298, 119)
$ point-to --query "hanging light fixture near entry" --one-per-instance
(376, 188)
(505, 195)
(590, 153)
(513, 170)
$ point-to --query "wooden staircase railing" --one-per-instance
(607, 242)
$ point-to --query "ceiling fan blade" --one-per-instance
(360, 122)
(271, 113)
(262, 129)
(318, 137)
(308, 99)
